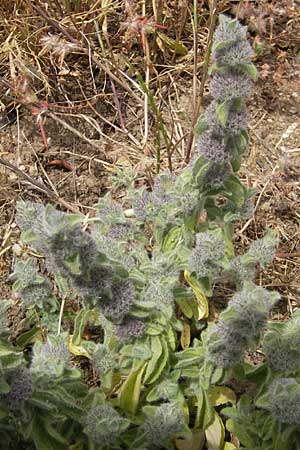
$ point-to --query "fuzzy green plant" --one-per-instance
(120, 349)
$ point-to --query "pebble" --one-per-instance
(17, 249)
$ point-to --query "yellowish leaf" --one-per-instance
(215, 434)
(202, 302)
(129, 393)
(219, 395)
(195, 442)
(185, 338)
(77, 350)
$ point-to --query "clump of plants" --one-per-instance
(163, 367)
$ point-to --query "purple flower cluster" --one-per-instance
(118, 306)
(130, 328)
(209, 249)
(166, 422)
(232, 33)
(21, 389)
(234, 54)
(225, 120)
(282, 347)
(240, 325)
(284, 400)
(230, 85)
(104, 425)
(211, 147)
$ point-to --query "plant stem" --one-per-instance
(213, 10)
(60, 315)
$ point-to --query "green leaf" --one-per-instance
(175, 46)
(250, 69)
(222, 112)
(62, 284)
(157, 350)
(241, 433)
(45, 437)
(4, 387)
(172, 239)
(235, 191)
(184, 306)
(141, 351)
(75, 218)
(201, 126)
(80, 322)
(29, 337)
(171, 337)
(200, 169)
(236, 160)
(28, 236)
(229, 446)
(129, 394)
(219, 45)
(158, 361)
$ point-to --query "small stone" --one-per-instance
(293, 110)
(17, 249)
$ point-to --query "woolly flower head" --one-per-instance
(230, 46)
(211, 148)
(263, 250)
(72, 249)
(225, 345)
(103, 360)
(32, 287)
(236, 121)
(95, 283)
(52, 357)
(234, 54)
(251, 307)
(110, 212)
(240, 325)
(209, 249)
(159, 291)
(229, 86)
(240, 272)
(104, 425)
(217, 174)
(29, 216)
(282, 346)
(229, 30)
(284, 400)
(160, 427)
(144, 207)
(118, 306)
(130, 329)
(20, 389)
(163, 182)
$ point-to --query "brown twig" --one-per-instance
(213, 10)
(38, 185)
(73, 130)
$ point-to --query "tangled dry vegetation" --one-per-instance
(91, 87)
